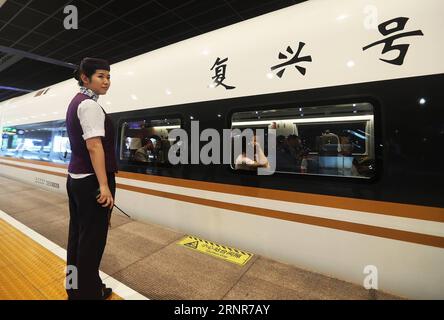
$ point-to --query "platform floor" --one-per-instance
(144, 257)
(28, 270)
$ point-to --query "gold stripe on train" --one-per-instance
(407, 236)
(371, 206)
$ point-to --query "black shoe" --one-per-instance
(106, 292)
(72, 294)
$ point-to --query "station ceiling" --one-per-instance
(36, 50)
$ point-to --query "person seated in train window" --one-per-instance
(143, 153)
(296, 150)
(346, 146)
(284, 160)
(259, 155)
(242, 162)
(348, 160)
(259, 161)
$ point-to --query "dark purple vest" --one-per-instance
(80, 159)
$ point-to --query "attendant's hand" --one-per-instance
(105, 198)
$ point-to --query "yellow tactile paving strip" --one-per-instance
(28, 271)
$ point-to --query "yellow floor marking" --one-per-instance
(216, 250)
(28, 270)
(13, 286)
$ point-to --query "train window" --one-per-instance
(46, 141)
(334, 140)
(146, 141)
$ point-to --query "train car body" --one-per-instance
(371, 207)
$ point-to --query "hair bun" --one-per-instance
(76, 74)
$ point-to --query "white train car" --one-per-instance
(367, 74)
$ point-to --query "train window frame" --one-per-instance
(138, 118)
(26, 145)
(375, 125)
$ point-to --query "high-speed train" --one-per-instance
(354, 91)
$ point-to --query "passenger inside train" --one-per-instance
(332, 140)
(146, 141)
(290, 153)
(145, 152)
(243, 162)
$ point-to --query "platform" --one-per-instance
(141, 261)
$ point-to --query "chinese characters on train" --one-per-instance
(220, 69)
(387, 29)
(399, 25)
(294, 60)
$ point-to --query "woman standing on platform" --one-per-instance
(92, 169)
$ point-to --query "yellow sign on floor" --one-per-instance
(216, 250)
